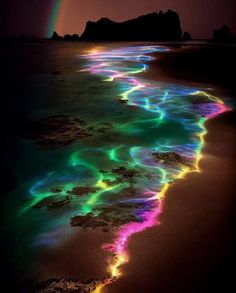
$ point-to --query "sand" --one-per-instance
(193, 248)
(80, 257)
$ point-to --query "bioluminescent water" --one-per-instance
(156, 136)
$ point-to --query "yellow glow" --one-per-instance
(211, 97)
(101, 184)
(161, 194)
(183, 173)
(113, 268)
(99, 288)
(94, 50)
(125, 95)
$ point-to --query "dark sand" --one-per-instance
(80, 257)
(193, 250)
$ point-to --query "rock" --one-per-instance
(81, 190)
(151, 27)
(108, 217)
(73, 37)
(58, 130)
(66, 286)
(59, 204)
(170, 158)
(187, 37)
(51, 203)
(56, 37)
(223, 35)
(126, 173)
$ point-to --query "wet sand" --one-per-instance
(193, 249)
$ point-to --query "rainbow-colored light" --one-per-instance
(159, 108)
(171, 101)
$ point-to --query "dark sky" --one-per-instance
(200, 17)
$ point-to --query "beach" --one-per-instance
(192, 248)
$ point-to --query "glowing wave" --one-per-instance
(166, 101)
(160, 108)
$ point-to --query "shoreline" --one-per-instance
(163, 75)
(134, 273)
(76, 259)
(165, 191)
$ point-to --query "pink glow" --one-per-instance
(221, 109)
(150, 219)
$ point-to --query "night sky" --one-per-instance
(33, 17)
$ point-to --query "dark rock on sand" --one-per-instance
(126, 173)
(66, 286)
(107, 217)
(58, 130)
(51, 203)
(82, 190)
(170, 158)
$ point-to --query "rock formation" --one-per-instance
(58, 130)
(66, 286)
(187, 37)
(151, 27)
(73, 37)
(170, 158)
(56, 37)
(223, 35)
(108, 217)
